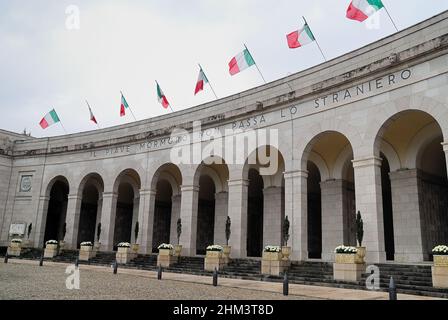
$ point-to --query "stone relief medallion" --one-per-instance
(25, 184)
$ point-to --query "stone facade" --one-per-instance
(342, 116)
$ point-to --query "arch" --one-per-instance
(389, 152)
(320, 163)
(340, 167)
(92, 178)
(171, 173)
(419, 143)
(129, 176)
(53, 181)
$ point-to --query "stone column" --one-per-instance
(146, 218)
(72, 220)
(189, 216)
(221, 203)
(445, 148)
(369, 201)
(108, 220)
(175, 215)
(296, 210)
(42, 212)
(406, 216)
(332, 217)
(272, 216)
(237, 209)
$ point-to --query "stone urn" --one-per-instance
(178, 250)
(135, 248)
(226, 253)
(286, 252)
(61, 246)
(97, 246)
(361, 254)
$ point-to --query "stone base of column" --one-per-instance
(351, 272)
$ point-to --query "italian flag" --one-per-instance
(50, 119)
(92, 117)
(123, 107)
(300, 37)
(360, 10)
(202, 79)
(242, 61)
(162, 98)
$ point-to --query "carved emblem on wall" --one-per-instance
(25, 184)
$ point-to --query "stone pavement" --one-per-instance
(303, 291)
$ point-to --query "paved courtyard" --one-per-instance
(23, 281)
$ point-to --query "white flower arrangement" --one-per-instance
(215, 247)
(86, 244)
(16, 241)
(124, 245)
(272, 249)
(346, 250)
(440, 250)
(51, 242)
(165, 246)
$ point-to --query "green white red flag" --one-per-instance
(360, 10)
(300, 37)
(202, 80)
(241, 62)
(162, 98)
(123, 107)
(49, 119)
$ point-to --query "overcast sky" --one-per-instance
(126, 45)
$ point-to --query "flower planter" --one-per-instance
(166, 258)
(214, 260)
(349, 266)
(14, 249)
(124, 255)
(51, 251)
(86, 253)
(177, 250)
(272, 256)
(441, 261)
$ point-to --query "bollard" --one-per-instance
(41, 261)
(6, 257)
(215, 278)
(115, 267)
(159, 273)
(285, 284)
(77, 262)
(392, 289)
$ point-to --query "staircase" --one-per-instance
(242, 269)
(189, 265)
(144, 262)
(410, 279)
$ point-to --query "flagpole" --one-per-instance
(62, 126)
(255, 64)
(129, 107)
(387, 11)
(209, 83)
(90, 110)
(169, 104)
(315, 39)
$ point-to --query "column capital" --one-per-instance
(367, 162)
(147, 192)
(74, 197)
(445, 146)
(238, 182)
(295, 174)
(187, 188)
(109, 194)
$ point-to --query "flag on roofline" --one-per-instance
(124, 106)
(49, 119)
(240, 62)
(301, 37)
(202, 80)
(360, 10)
(161, 97)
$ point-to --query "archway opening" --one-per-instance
(414, 185)
(124, 213)
(57, 210)
(206, 214)
(389, 243)
(162, 214)
(255, 207)
(314, 212)
(88, 215)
